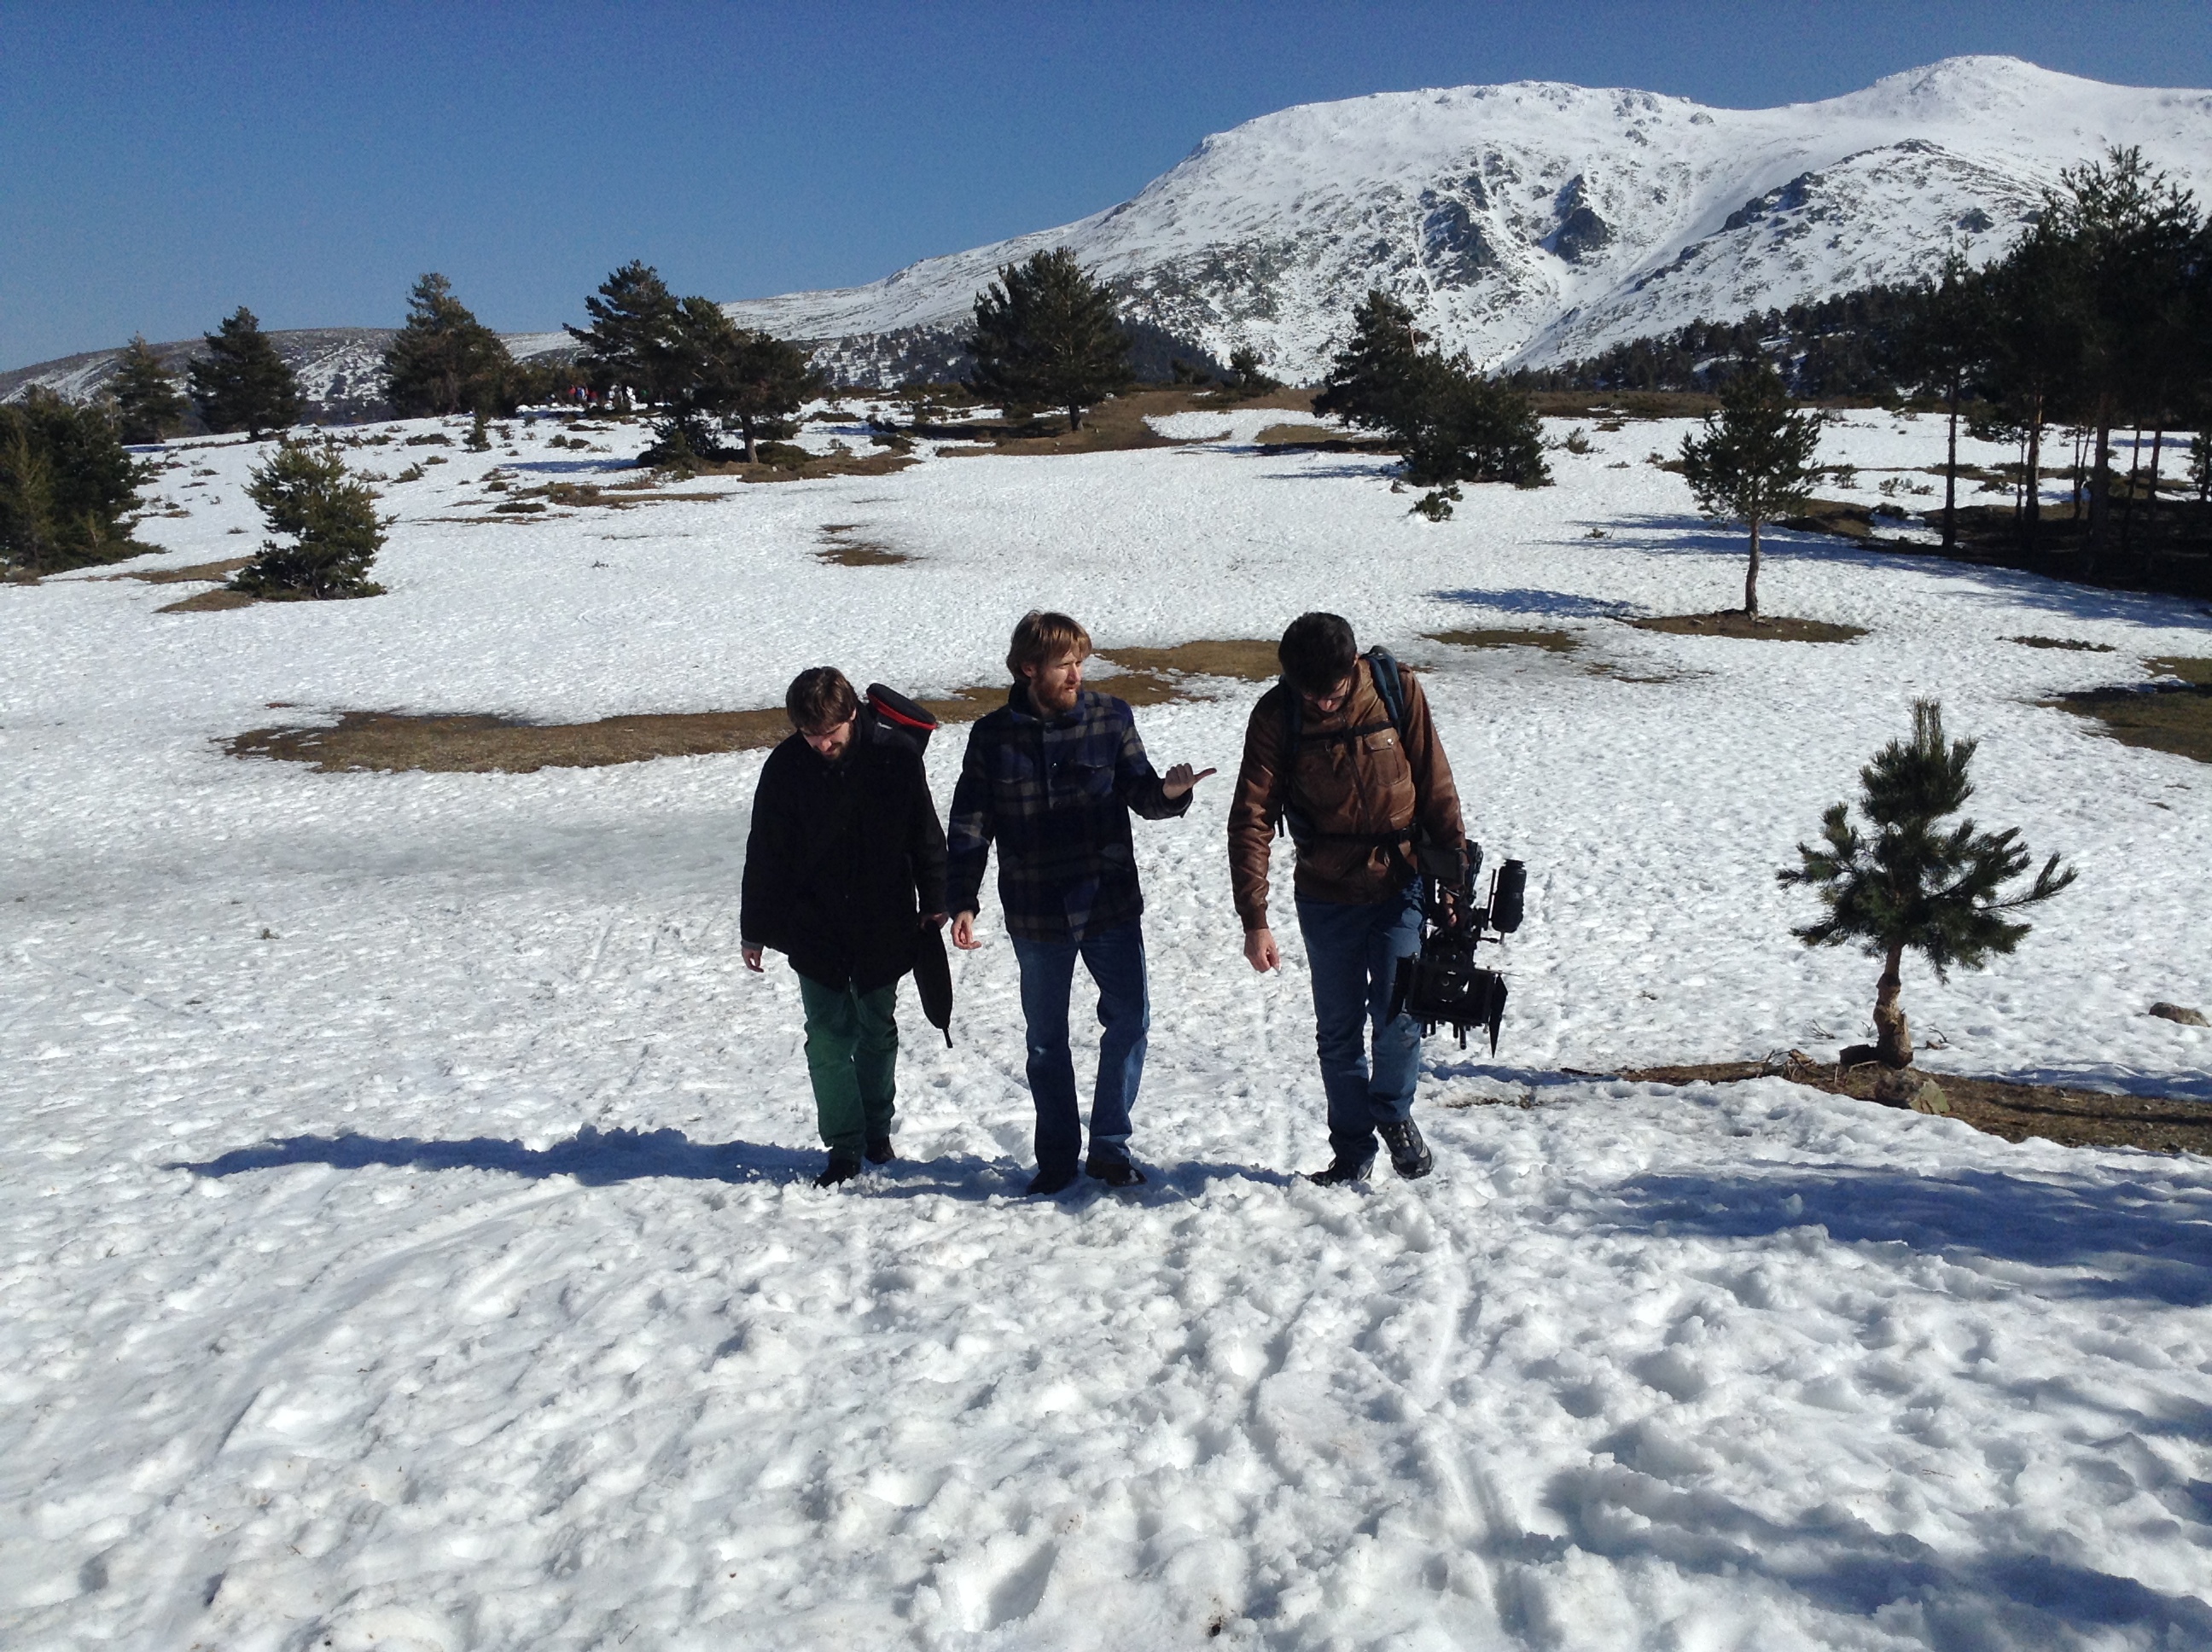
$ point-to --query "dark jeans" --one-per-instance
(1116, 962)
(1353, 952)
(852, 1055)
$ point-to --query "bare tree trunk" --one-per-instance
(2032, 498)
(1951, 475)
(1074, 418)
(1750, 579)
(2128, 502)
(746, 427)
(2101, 485)
(1892, 1033)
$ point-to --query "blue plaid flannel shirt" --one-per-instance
(1056, 792)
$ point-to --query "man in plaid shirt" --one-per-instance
(1052, 774)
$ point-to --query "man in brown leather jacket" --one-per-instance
(1355, 793)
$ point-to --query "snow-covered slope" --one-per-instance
(405, 1241)
(1535, 220)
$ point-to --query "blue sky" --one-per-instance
(164, 164)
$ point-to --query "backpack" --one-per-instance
(899, 720)
(1390, 688)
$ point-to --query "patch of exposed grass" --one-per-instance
(2074, 644)
(2175, 717)
(198, 573)
(1765, 627)
(2072, 1118)
(209, 602)
(392, 742)
(1555, 642)
(1245, 659)
(842, 549)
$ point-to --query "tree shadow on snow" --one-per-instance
(1558, 605)
(2132, 1239)
(1839, 1563)
(1695, 536)
(599, 1158)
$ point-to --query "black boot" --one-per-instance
(1045, 1183)
(879, 1148)
(1116, 1172)
(1342, 1170)
(840, 1167)
(1409, 1154)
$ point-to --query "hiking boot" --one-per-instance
(840, 1168)
(1045, 1183)
(879, 1148)
(1409, 1154)
(1116, 1172)
(1342, 1171)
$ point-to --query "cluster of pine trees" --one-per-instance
(2098, 320)
(1452, 423)
(707, 376)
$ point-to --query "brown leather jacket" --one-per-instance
(1353, 778)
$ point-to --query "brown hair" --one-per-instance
(819, 699)
(1042, 638)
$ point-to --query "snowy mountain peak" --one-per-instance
(1536, 220)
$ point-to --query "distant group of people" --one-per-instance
(848, 873)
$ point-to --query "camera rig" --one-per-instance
(1442, 984)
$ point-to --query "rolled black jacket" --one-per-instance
(843, 860)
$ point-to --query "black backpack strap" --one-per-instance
(1389, 685)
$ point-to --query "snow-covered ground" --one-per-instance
(407, 1236)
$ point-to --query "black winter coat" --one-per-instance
(843, 859)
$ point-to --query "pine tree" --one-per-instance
(305, 492)
(1466, 428)
(1252, 378)
(148, 404)
(1754, 461)
(631, 343)
(2033, 318)
(242, 383)
(751, 381)
(444, 359)
(1944, 343)
(1047, 334)
(1919, 884)
(2133, 230)
(65, 485)
(1380, 372)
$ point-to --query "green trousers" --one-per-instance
(852, 1054)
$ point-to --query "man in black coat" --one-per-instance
(845, 864)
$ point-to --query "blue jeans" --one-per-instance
(1116, 962)
(1353, 952)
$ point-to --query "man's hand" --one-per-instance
(1260, 951)
(1179, 779)
(964, 932)
(753, 958)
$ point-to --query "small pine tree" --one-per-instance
(1465, 427)
(1754, 461)
(479, 436)
(148, 404)
(1251, 373)
(444, 359)
(242, 383)
(1919, 885)
(1047, 334)
(306, 492)
(66, 484)
(631, 343)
